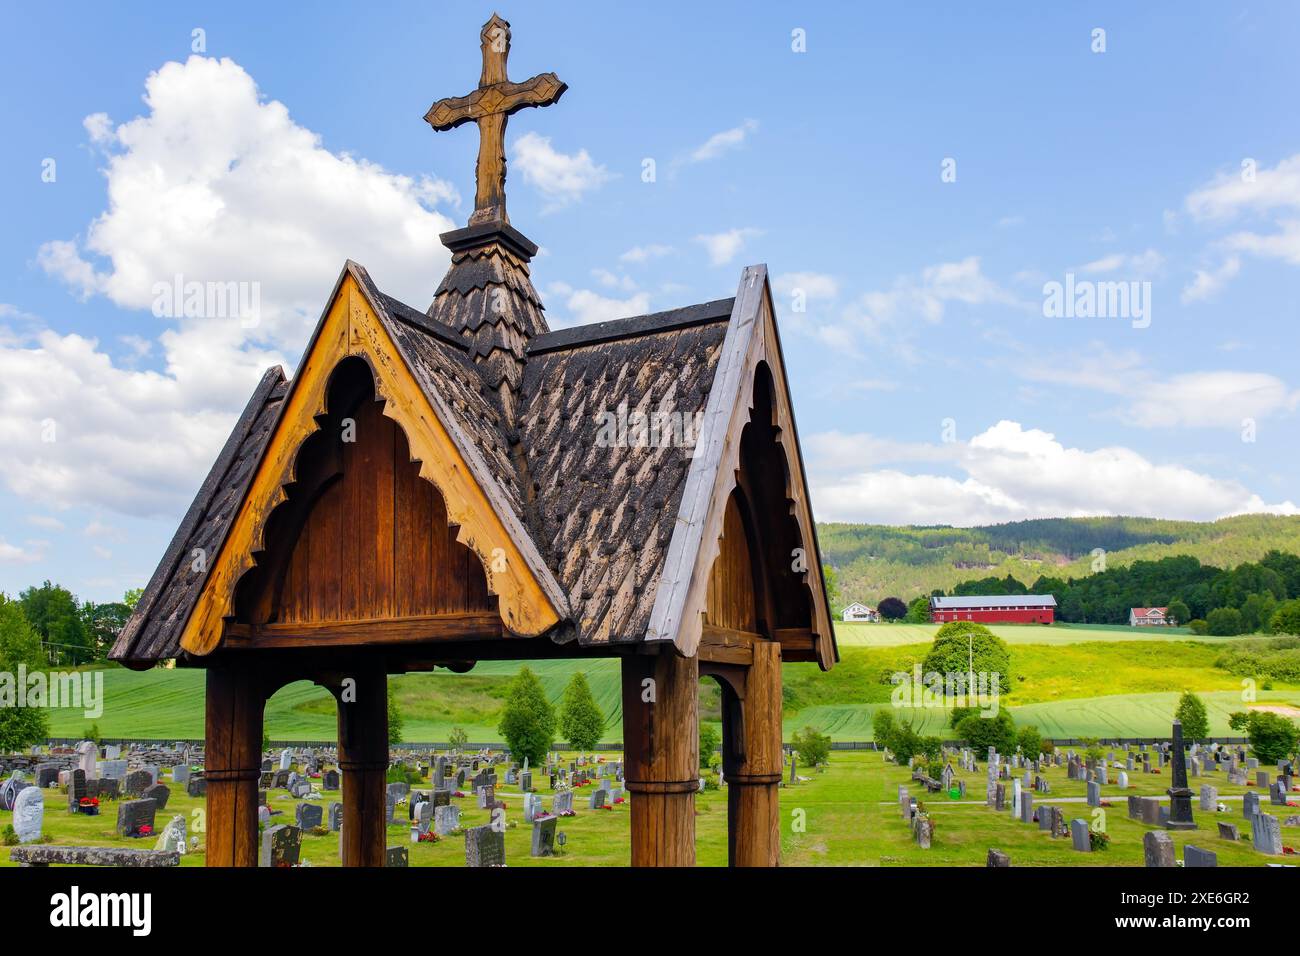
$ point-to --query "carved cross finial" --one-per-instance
(489, 106)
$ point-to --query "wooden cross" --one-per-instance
(489, 106)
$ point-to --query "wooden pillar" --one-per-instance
(661, 744)
(363, 765)
(233, 760)
(754, 775)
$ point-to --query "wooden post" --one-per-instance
(754, 777)
(661, 744)
(363, 765)
(233, 760)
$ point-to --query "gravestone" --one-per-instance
(181, 773)
(335, 816)
(397, 856)
(1180, 795)
(172, 837)
(1094, 794)
(599, 798)
(29, 814)
(487, 797)
(1134, 807)
(1266, 834)
(1151, 811)
(1276, 795)
(329, 780)
(1261, 778)
(1000, 797)
(197, 787)
(116, 769)
(526, 780)
(308, 816)
(1209, 798)
(544, 836)
(1045, 818)
(158, 793)
(485, 846)
(446, 819)
(47, 774)
(1250, 806)
(1195, 856)
(1123, 780)
(562, 804)
(280, 846)
(1228, 831)
(76, 789)
(134, 814)
(1158, 849)
(1026, 807)
(1079, 836)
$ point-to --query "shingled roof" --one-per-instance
(597, 516)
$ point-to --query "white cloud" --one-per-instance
(101, 552)
(1151, 399)
(611, 280)
(98, 529)
(646, 253)
(13, 554)
(48, 522)
(722, 247)
(585, 306)
(815, 285)
(1010, 473)
(1208, 283)
(1146, 263)
(213, 183)
(720, 143)
(561, 178)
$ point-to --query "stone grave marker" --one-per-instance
(544, 836)
(134, 814)
(1195, 856)
(1079, 836)
(485, 846)
(1158, 849)
(281, 845)
(1266, 834)
(29, 814)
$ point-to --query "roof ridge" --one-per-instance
(716, 310)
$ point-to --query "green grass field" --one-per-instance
(844, 815)
(1069, 681)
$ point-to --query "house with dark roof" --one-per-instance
(460, 483)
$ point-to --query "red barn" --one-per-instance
(995, 609)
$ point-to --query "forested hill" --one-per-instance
(876, 561)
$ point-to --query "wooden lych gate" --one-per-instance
(437, 488)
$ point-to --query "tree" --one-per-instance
(1272, 736)
(53, 614)
(958, 643)
(581, 720)
(1224, 621)
(709, 740)
(1177, 612)
(983, 732)
(103, 622)
(918, 612)
(394, 718)
(833, 596)
(1286, 619)
(892, 609)
(1192, 715)
(458, 738)
(814, 749)
(19, 644)
(528, 722)
(132, 597)
(1030, 741)
(883, 726)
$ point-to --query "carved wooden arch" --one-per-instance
(752, 348)
(350, 328)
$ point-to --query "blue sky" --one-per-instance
(930, 385)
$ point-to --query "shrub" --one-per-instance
(1272, 736)
(394, 718)
(581, 720)
(892, 609)
(883, 726)
(980, 733)
(960, 646)
(1030, 741)
(1224, 621)
(1198, 626)
(9, 835)
(814, 749)
(528, 722)
(1286, 619)
(458, 738)
(1192, 715)
(709, 740)
(1178, 612)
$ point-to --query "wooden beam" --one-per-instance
(796, 638)
(725, 645)
(435, 627)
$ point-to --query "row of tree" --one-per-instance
(1251, 597)
(529, 721)
(74, 631)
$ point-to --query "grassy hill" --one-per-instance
(876, 561)
(1071, 681)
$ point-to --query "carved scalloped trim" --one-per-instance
(351, 329)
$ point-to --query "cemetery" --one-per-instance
(861, 808)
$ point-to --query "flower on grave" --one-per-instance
(618, 800)
(144, 830)
(1288, 851)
